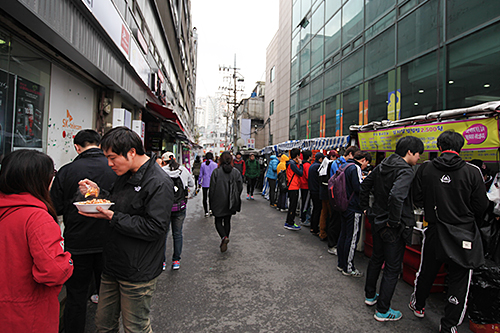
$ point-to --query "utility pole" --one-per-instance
(237, 77)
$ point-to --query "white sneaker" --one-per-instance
(332, 250)
(355, 273)
(94, 298)
(207, 215)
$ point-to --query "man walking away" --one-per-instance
(453, 196)
(294, 171)
(252, 173)
(305, 207)
(84, 237)
(351, 219)
(314, 186)
(135, 249)
(272, 175)
(392, 222)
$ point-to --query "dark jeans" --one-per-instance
(251, 185)
(177, 220)
(316, 213)
(272, 191)
(282, 200)
(205, 199)
(305, 204)
(223, 225)
(333, 228)
(392, 254)
(348, 239)
(77, 289)
(458, 282)
(196, 180)
(292, 206)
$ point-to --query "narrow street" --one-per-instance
(269, 280)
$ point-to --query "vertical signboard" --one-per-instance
(30, 98)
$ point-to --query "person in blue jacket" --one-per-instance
(272, 175)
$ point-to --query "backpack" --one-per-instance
(180, 194)
(337, 190)
(283, 180)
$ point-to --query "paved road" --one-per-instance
(269, 280)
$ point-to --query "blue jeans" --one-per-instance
(132, 299)
(177, 220)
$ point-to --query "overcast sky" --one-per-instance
(229, 27)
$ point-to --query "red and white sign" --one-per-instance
(125, 39)
(251, 143)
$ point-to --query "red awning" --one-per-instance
(164, 112)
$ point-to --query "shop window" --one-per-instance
(418, 31)
(352, 69)
(317, 90)
(473, 69)
(352, 20)
(463, 15)
(375, 8)
(351, 100)
(332, 35)
(378, 97)
(293, 127)
(419, 86)
(317, 49)
(332, 81)
(304, 124)
(333, 117)
(316, 120)
(380, 53)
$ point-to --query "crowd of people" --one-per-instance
(118, 253)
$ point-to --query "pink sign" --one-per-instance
(125, 39)
(476, 134)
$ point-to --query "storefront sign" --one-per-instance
(30, 98)
(481, 137)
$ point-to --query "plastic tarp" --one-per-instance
(484, 296)
(309, 144)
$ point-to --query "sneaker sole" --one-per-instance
(223, 246)
(340, 269)
(386, 319)
(418, 315)
(352, 275)
(291, 228)
(175, 268)
(370, 303)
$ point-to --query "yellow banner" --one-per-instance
(481, 137)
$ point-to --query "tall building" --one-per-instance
(356, 61)
(66, 65)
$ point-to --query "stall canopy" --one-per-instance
(309, 144)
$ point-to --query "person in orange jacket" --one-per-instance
(294, 172)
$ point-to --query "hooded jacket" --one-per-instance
(135, 245)
(186, 178)
(453, 196)
(82, 235)
(239, 164)
(206, 173)
(218, 194)
(390, 184)
(313, 179)
(34, 265)
(293, 175)
(304, 184)
(282, 164)
(272, 168)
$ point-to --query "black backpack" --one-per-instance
(283, 180)
(180, 193)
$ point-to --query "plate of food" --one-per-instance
(90, 206)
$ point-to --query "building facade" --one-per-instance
(68, 65)
(357, 61)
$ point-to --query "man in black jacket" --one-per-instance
(138, 223)
(453, 196)
(350, 220)
(392, 222)
(83, 236)
(314, 186)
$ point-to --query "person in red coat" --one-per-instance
(35, 265)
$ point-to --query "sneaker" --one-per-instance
(223, 244)
(417, 313)
(94, 298)
(306, 224)
(210, 212)
(355, 273)
(176, 265)
(283, 210)
(251, 197)
(340, 269)
(207, 215)
(248, 196)
(292, 227)
(371, 301)
(164, 265)
(332, 250)
(391, 315)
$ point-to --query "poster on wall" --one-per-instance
(30, 99)
(6, 98)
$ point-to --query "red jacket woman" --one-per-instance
(35, 265)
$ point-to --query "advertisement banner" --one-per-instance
(30, 99)
(481, 137)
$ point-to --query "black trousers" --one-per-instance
(85, 266)
(251, 185)
(282, 199)
(333, 228)
(272, 191)
(392, 254)
(205, 199)
(458, 282)
(223, 225)
(316, 213)
(293, 195)
(305, 203)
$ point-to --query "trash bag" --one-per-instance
(484, 296)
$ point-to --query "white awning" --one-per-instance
(309, 144)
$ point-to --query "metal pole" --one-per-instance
(235, 120)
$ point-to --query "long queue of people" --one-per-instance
(341, 189)
(121, 250)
